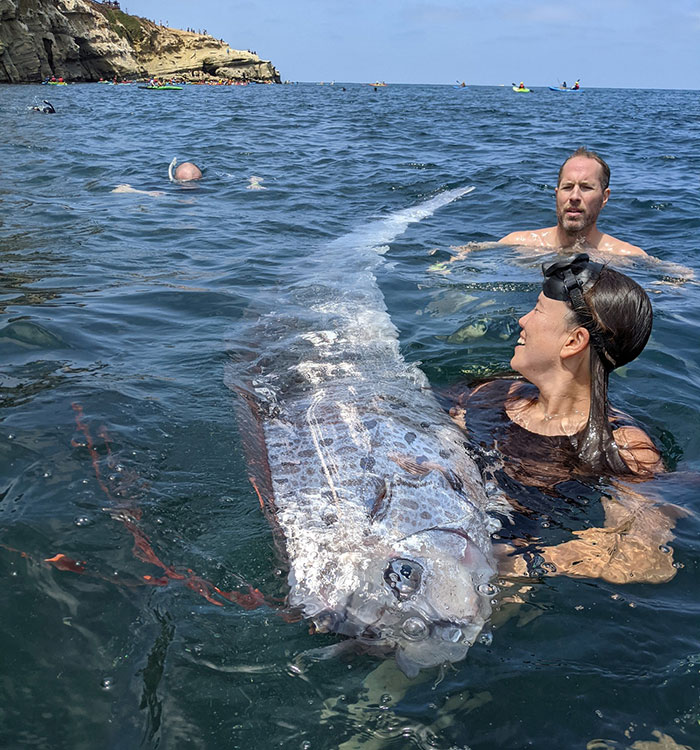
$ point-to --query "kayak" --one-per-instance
(460, 87)
(162, 88)
(556, 88)
(521, 91)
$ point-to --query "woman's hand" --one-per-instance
(632, 547)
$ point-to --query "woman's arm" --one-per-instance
(632, 546)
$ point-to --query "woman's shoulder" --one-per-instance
(500, 389)
(637, 449)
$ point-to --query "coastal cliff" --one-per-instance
(82, 40)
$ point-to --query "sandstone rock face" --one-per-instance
(170, 52)
(82, 40)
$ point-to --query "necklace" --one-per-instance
(569, 422)
(571, 414)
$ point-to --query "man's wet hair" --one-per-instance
(583, 151)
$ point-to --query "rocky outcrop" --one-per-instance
(82, 40)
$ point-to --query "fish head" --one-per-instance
(443, 601)
(427, 595)
(442, 598)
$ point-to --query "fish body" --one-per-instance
(381, 511)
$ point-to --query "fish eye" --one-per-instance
(403, 577)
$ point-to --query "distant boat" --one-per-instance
(462, 85)
(559, 88)
(377, 84)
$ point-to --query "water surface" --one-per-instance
(118, 436)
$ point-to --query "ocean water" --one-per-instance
(120, 458)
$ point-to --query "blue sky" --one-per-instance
(617, 43)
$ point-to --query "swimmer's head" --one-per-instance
(187, 171)
(617, 314)
(614, 309)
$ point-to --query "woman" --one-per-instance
(555, 427)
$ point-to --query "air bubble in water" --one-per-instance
(487, 589)
(107, 683)
(664, 548)
(83, 521)
(486, 639)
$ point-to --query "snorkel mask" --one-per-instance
(566, 281)
(171, 170)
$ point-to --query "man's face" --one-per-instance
(580, 196)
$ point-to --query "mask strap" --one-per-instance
(581, 308)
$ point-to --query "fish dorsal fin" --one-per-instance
(249, 418)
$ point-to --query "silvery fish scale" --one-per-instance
(383, 515)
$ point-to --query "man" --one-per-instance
(185, 172)
(582, 191)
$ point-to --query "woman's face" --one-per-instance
(545, 329)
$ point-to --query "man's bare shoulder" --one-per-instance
(531, 238)
(609, 244)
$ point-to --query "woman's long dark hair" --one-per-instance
(619, 319)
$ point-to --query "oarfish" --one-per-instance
(378, 506)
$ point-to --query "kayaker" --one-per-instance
(576, 86)
(563, 85)
(582, 191)
(522, 85)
